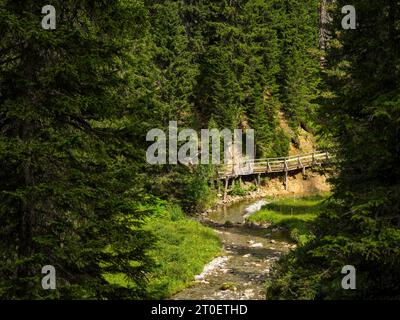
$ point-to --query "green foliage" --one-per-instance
(299, 77)
(70, 186)
(189, 187)
(219, 65)
(237, 190)
(76, 104)
(183, 248)
(361, 224)
(280, 145)
(198, 194)
(251, 188)
(242, 189)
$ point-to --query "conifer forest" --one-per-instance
(199, 150)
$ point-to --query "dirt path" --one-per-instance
(248, 254)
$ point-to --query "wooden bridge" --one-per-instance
(272, 165)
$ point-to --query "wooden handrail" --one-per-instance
(282, 164)
(280, 160)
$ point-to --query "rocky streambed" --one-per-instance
(248, 255)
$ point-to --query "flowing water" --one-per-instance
(247, 257)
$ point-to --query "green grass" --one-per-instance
(184, 246)
(295, 214)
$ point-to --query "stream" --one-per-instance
(246, 260)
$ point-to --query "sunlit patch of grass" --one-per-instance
(295, 214)
(184, 246)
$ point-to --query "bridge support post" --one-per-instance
(226, 188)
(286, 180)
(286, 176)
(259, 180)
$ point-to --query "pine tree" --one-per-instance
(174, 60)
(218, 90)
(69, 187)
(299, 78)
(237, 84)
(361, 226)
(259, 79)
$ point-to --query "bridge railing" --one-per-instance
(267, 165)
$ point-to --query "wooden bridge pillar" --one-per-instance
(286, 180)
(226, 188)
(286, 176)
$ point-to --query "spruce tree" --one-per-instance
(299, 77)
(361, 226)
(261, 21)
(69, 186)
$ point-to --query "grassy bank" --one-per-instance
(295, 214)
(184, 246)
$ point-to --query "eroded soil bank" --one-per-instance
(272, 186)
